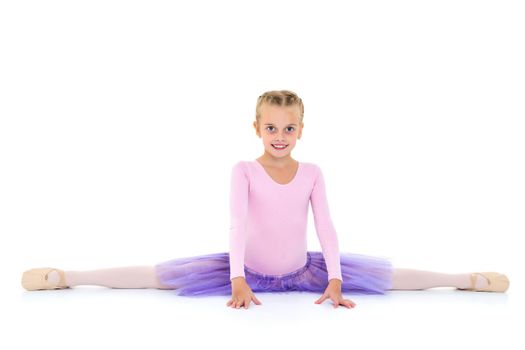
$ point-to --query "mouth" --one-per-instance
(279, 148)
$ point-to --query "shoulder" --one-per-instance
(240, 167)
(312, 168)
(240, 163)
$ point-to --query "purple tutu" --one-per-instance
(209, 274)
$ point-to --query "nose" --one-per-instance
(281, 136)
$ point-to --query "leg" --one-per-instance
(119, 277)
(409, 279)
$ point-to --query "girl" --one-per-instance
(269, 202)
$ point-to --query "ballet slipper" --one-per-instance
(497, 282)
(36, 279)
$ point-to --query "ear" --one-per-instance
(255, 127)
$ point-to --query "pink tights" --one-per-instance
(118, 277)
(144, 277)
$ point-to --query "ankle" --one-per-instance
(71, 278)
(463, 281)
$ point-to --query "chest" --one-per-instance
(282, 176)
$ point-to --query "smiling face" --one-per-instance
(278, 126)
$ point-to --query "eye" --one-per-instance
(290, 128)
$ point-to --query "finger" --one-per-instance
(256, 301)
(350, 302)
(321, 299)
(247, 303)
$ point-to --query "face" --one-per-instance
(281, 126)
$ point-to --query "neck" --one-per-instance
(278, 162)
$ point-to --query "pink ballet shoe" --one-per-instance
(497, 282)
(36, 279)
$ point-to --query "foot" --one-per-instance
(481, 281)
(43, 278)
(53, 278)
(488, 282)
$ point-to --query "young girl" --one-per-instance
(269, 203)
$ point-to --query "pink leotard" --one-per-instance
(269, 220)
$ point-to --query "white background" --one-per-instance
(121, 120)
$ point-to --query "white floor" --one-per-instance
(88, 316)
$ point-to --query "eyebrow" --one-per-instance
(274, 124)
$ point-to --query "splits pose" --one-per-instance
(269, 203)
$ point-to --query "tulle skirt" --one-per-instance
(209, 274)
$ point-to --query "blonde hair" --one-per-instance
(282, 98)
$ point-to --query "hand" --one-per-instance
(333, 291)
(241, 294)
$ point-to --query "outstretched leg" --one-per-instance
(410, 279)
(119, 277)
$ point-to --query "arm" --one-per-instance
(241, 291)
(328, 239)
(238, 218)
(324, 227)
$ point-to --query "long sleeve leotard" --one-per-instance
(269, 220)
